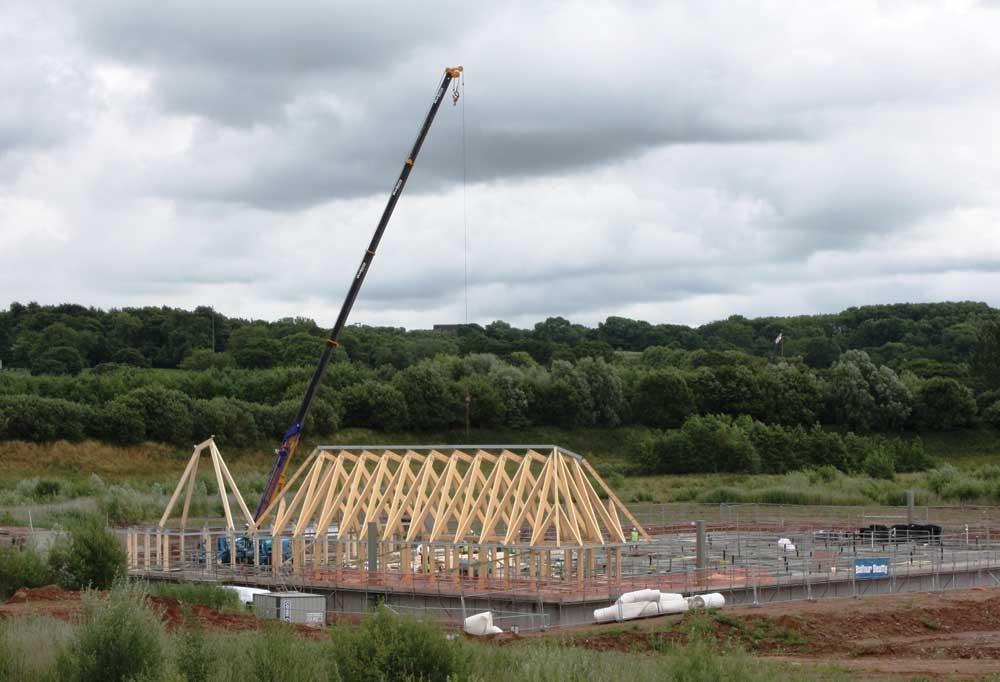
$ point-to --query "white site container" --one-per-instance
(245, 594)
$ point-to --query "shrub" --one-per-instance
(879, 464)
(118, 422)
(278, 654)
(193, 659)
(119, 639)
(663, 399)
(123, 504)
(22, 568)
(29, 645)
(229, 420)
(166, 413)
(34, 418)
(204, 594)
(388, 647)
(91, 557)
(943, 404)
(374, 405)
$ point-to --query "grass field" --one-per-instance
(131, 484)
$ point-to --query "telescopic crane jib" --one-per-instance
(290, 441)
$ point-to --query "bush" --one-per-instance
(388, 647)
(230, 421)
(279, 654)
(943, 404)
(879, 464)
(204, 594)
(117, 422)
(165, 412)
(91, 557)
(34, 418)
(193, 659)
(22, 568)
(119, 639)
(123, 505)
(663, 399)
(374, 405)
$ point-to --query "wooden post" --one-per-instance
(145, 552)
(209, 550)
(277, 555)
(231, 538)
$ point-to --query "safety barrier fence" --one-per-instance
(771, 561)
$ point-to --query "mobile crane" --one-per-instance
(290, 441)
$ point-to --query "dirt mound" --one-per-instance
(47, 593)
(174, 615)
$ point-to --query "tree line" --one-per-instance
(660, 388)
(934, 339)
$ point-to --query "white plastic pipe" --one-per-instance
(712, 600)
(667, 603)
(479, 624)
(638, 596)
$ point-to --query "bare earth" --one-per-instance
(938, 636)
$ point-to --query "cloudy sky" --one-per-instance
(676, 162)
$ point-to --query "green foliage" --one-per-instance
(279, 654)
(432, 400)
(991, 414)
(91, 557)
(57, 360)
(879, 464)
(166, 413)
(943, 404)
(29, 646)
(865, 396)
(375, 405)
(22, 568)
(34, 418)
(202, 359)
(120, 639)
(663, 399)
(120, 423)
(204, 594)
(231, 421)
(193, 658)
(390, 647)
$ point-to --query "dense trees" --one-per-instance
(110, 375)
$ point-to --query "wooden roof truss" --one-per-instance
(503, 494)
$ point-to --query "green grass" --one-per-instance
(59, 481)
(118, 633)
(203, 594)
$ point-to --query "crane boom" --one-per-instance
(290, 441)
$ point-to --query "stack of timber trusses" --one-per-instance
(536, 495)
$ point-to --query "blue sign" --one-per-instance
(871, 569)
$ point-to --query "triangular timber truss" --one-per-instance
(224, 479)
(533, 495)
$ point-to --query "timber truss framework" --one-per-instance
(535, 495)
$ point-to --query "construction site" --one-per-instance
(533, 535)
(522, 536)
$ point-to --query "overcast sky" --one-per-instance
(675, 162)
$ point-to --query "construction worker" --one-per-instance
(635, 538)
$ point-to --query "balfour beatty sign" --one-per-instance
(869, 569)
